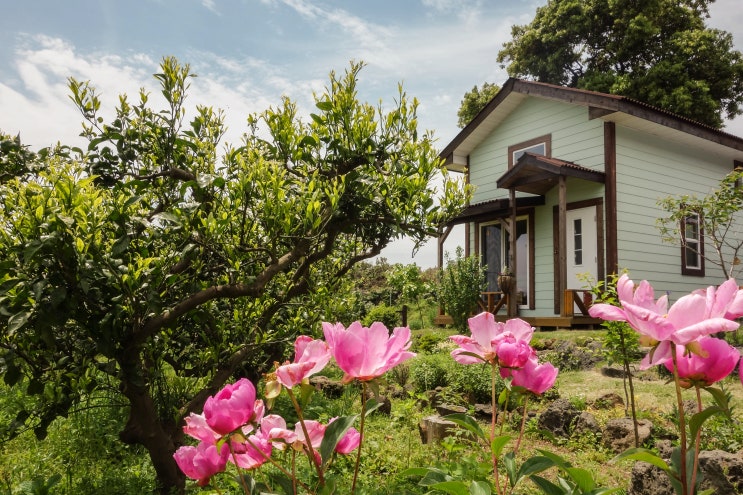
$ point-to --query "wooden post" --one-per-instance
(512, 309)
(562, 239)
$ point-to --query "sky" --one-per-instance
(249, 53)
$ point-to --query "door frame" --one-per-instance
(597, 203)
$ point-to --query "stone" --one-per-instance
(619, 433)
(722, 473)
(484, 411)
(608, 401)
(613, 372)
(331, 388)
(586, 423)
(558, 417)
(647, 479)
(435, 428)
(446, 409)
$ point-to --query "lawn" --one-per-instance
(82, 454)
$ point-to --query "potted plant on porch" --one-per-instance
(506, 280)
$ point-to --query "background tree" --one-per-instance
(461, 284)
(408, 284)
(474, 101)
(656, 51)
(720, 219)
(148, 265)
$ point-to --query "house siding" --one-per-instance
(575, 138)
(648, 170)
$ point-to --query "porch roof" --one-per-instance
(537, 174)
(494, 208)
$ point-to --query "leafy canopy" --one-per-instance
(656, 51)
(474, 101)
(156, 263)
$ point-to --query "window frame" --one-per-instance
(686, 269)
(515, 148)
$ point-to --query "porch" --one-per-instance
(497, 303)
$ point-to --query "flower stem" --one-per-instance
(697, 441)
(493, 413)
(361, 434)
(308, 442)
(523, 425)
(239, 470)
(682, 423)
(279, 466)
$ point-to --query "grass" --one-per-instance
(84, 451)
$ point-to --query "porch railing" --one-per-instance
(576, 297)
(492, 302)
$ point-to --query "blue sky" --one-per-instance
(249, 53)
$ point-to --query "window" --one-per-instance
(578, 241)
(495, 245)
(541, 145)
(692, 246)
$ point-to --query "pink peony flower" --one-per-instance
(693, 316)
(202, 462)
(197, 428)
(231, 407)
(717, 361)
(486, 335)
(367, 353)
(310, 357)
(534, 377)
(513, 353)
(252, 453)
(350, 442)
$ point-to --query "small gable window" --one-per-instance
(692, 246)
(541, 145)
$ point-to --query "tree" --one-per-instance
(474, 101)
(658, 51)
(406, 281)
(719, 217)
(460, 287)
(153, 264)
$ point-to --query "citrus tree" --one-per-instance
(159, 264)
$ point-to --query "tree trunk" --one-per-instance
(145, 428)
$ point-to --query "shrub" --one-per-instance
(472, 380)
(385, 314)
(460, 286)
(428, 371)
(426, 343)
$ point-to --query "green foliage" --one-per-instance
(428, 371)
(159, 262)
(474, 101)
(720, 220)
(473, 381)
(386, 314)
(460, 286)
(427, 342)
(659, 52)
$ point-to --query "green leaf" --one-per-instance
(645, 455)
(534, 465)
(496, 446)
(720, 397)
(510, 464)
(480, 488)
(467, 422)
(324, 105)
(17, 321)
(333, 434)
(698, 419)
(546, 486)
(582, 478)
(452, 487)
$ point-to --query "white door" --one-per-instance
(582, 252)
